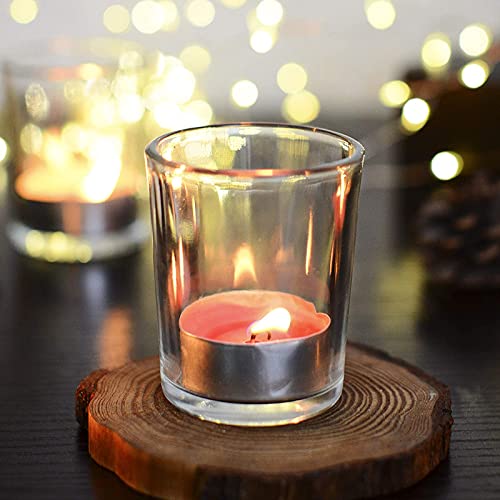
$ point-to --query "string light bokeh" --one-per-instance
(415, 114)
(381, 14)
(23, 11)
(436, 51)
(205, 78)
(474, 74)
(446, 165)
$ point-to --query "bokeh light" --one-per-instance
(302, 107)
(74, 90)
(23, 11)
(101, 112)
(475, 39)
(4, 149)
(415, 114)
(381, 14)
(56, 246)
(244, 93)
(171, 17)
(196, 58)
(474, 74)
(130, 108)
(262, 41)
(394, 94)
(436, 51)
(124, 84)
(130, 60)
(200, 13)
(233, 4)
(98, 88)
(31, 139)
(446, 165)
(37, 103)
(169, 62)
(116, 18)
(34, 243)
(179, 85)
(201, 110)
(269, 12)
(291, 78)
(74, 137)
(153, 93)
(148, 16)
(89, 71)
(166, 114)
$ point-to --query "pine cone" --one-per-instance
(458, 231)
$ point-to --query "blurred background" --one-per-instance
(344, 52)
(90, 83)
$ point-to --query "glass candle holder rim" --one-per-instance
(354, 161)
(79, 50)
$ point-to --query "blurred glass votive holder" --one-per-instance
(74, 177)
(253, 230)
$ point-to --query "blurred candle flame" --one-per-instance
(101, 181)
(54, 151)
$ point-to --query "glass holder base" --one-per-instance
(251, 414)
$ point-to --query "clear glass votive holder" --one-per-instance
(254, 229)
(74, 113)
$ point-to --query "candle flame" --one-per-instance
(101, 181)
(277, 320)
(54, 151)
(244, 266)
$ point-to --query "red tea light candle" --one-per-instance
(254, 345)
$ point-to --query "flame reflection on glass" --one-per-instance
(244, 266)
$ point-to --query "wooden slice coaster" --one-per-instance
(390, 428)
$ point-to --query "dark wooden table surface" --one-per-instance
(60, 322)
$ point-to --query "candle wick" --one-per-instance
(253, 338)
